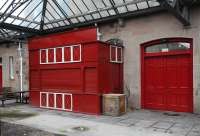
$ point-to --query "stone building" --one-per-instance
(133, 32)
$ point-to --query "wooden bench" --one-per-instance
(20, 97)
(6, 95)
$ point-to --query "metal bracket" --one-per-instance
(178, 9)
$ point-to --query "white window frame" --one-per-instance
(46, 51)
(71, 47)
(54, 57)
(11, 68)
(116, 54)
(64, 54)
(72, 53)
(55, 101)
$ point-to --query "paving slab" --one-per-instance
(145, 123)
(65, 125)
(134, 123)
(163, 125)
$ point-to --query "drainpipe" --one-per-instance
(98, 32)
(21, 67)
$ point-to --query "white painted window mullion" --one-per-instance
(55, 101)
(40, 99)
(80, 55)
(63, 101)
(47, 100)
(63, 54)
(55, 55)
(116, 54)
(72, 53)
(47, 56)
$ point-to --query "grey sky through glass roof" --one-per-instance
(45, 16)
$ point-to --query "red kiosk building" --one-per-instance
(70, 71)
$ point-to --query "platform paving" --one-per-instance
(134, 123)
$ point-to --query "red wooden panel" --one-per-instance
(67, 53)
(103, 52)
(34, 80)
(91, 80)
(178, 70)
(76, 53)
(35, 97)
(90, 52)
(119, 54)
(113, 53)
(116, 78)
(67, 100)
(64, 79)
(43, 99)
(168, 83)
(43, 56)
(50, 55)
(59, 102)
(93, 103)
(51, 100)
(34, 58)
(105, 83)
(58, 54)
(69, 37)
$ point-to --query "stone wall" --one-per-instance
(7, 50)
(142, 29)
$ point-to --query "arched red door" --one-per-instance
(167, 75)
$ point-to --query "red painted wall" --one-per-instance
(86, 80)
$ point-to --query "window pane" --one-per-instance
(58, 54)
(51, 55)
(11, 67)
(67, 54)
(113, 53)
(43, 56)
(119, 54)
(167, 47)
(76, 53)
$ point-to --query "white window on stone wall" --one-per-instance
(116, 54)
(11, 67)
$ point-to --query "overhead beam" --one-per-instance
(97, 11)
(19, 28)
(21, 19)
(113, 6)
(180, 11)
(14, 6)
(107, 19)
(62, 11)
(43, 14)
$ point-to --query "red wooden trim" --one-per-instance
(165, 40)
(192, 102)
(65, 32)
(142, 76)
(167, 53)
(76, 43)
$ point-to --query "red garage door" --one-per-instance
(167, 75)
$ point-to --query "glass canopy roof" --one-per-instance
(21, 17)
